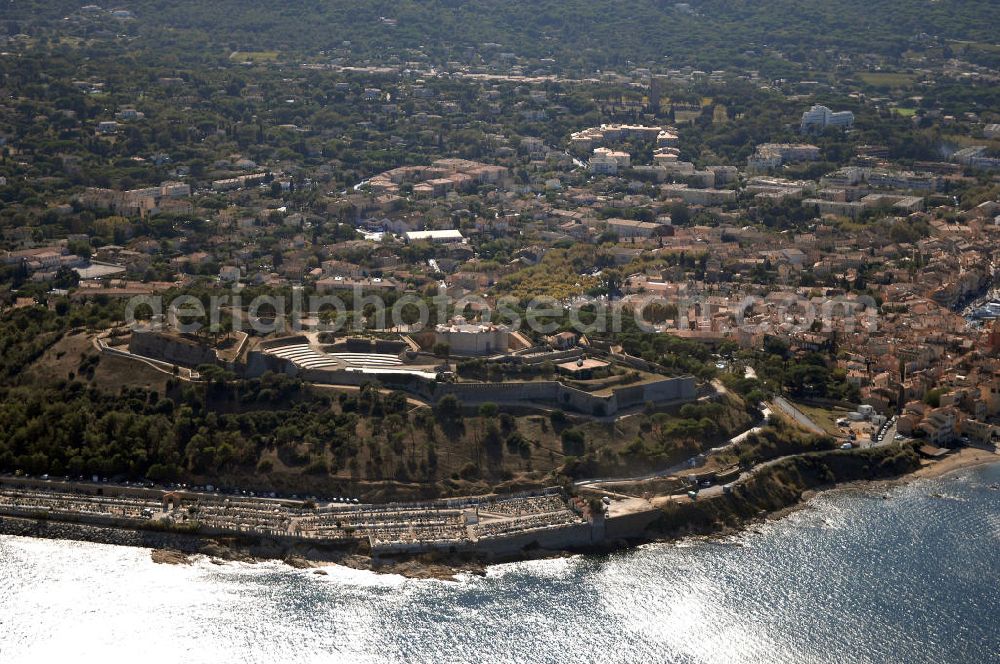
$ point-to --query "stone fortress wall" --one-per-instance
(176, 349)
(552, 393)
(540, 392)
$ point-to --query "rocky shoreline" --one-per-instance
(51, 529)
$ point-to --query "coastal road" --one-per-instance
(717, 489)
(693, 462)
(887, 438)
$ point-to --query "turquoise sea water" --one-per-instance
(855, 577)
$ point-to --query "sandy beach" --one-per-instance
(963, 458)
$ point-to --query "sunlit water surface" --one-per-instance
(853, 578)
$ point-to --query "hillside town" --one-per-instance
(872, 262)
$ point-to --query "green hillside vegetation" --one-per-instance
(573, 32)
(656, 440)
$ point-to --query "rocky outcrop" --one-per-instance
(780, 486)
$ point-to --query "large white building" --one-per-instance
(472, 338)
(819, 118)
(695, 196)
(606, 134)
(629, 228)
(435, 237)
(608, 162)
(139, 202)
(976, 157)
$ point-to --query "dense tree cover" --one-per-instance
(557, 275)
(764, 116)
(27, 332)
(573, 32)
(221, 425)
(806, 375)
(211, 429)
(673, 353)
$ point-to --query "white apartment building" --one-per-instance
(608, 162)
(820, 117)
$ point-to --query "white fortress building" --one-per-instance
(472, 338)
(819, 118)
